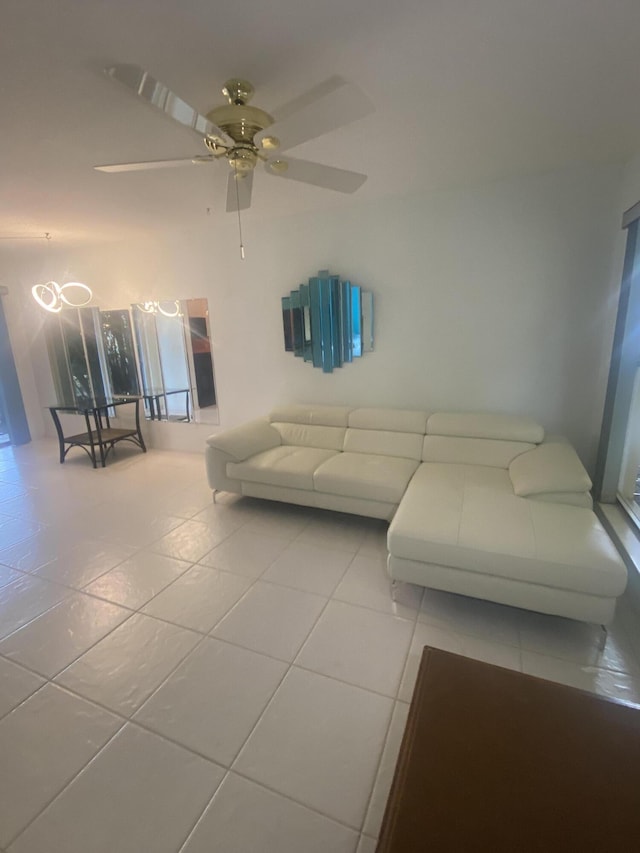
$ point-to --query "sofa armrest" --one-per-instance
(244, 441)
(549, 468)
(236, 445)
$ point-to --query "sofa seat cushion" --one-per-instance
(365, 475)
(285, 465)
(467, 517)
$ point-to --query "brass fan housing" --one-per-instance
(242, 158)
(238, 120)
(241, 122)
(238, 91)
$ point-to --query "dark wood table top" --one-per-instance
(494, 760)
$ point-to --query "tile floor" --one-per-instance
(178, 675)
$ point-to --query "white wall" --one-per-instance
(494, 297)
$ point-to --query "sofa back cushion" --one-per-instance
(493, 453)
(303, 435)
(486, 426)
(296, 413)
(407, 445)
(393, 420)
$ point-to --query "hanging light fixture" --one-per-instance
(157, 307)
(53, 296)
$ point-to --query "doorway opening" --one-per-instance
(14, 428)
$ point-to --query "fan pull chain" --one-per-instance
(239, 220)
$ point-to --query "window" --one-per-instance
(618, 466)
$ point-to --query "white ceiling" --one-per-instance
(465, 91)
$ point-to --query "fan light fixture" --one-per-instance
(156, 308)
(245, 135)
(53, 296)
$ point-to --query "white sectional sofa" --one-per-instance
(480, 504)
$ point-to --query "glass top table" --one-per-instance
(99, 437)
(153, 397)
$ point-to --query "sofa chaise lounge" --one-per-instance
(483, 505)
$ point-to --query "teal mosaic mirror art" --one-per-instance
(328, 322)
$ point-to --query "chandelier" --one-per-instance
(53, 296)
(157, 307)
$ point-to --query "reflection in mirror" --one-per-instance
(200, 341)
(76, 354)
(160, 351)
(174, 352)
(119, 351)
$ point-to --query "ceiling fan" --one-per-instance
(245, 135)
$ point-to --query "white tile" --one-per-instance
(190, 541)
(25, 598)
(141, 793)
(82, 564)
(38, 759)
(450, 641)
(34, 552)
(38, 506)
(9, 491)
(576, 641)
(604, 682)
(138, 579)
(59, 636)
(229, 512)
(122, 670)
(213, 699)
(14, 530)
(271, 619)
(279, 519)
(246, 818)
(382, 787)
(220, 520)
(16, 684)
(374, 543)
(358, 645)
(7, 575)
(199, 598)
(495, 622)
(367, 583)
(335, 530)
(367, 844)
(135, 530)
(309, 567)
(246, 553)
(187, 502)
(319, 742)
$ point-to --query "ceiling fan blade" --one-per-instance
(239, 191)
(324, 108)
(327, 177)
(151, 164)
(160, 96)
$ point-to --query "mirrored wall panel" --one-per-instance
(174, 352)
(76, 355)
(120, 354)
(328, 321)
(160, 351)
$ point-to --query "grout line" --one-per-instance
(81, 654)
(69, 782)
(378, 768)
(289, 664)
(349, 826)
